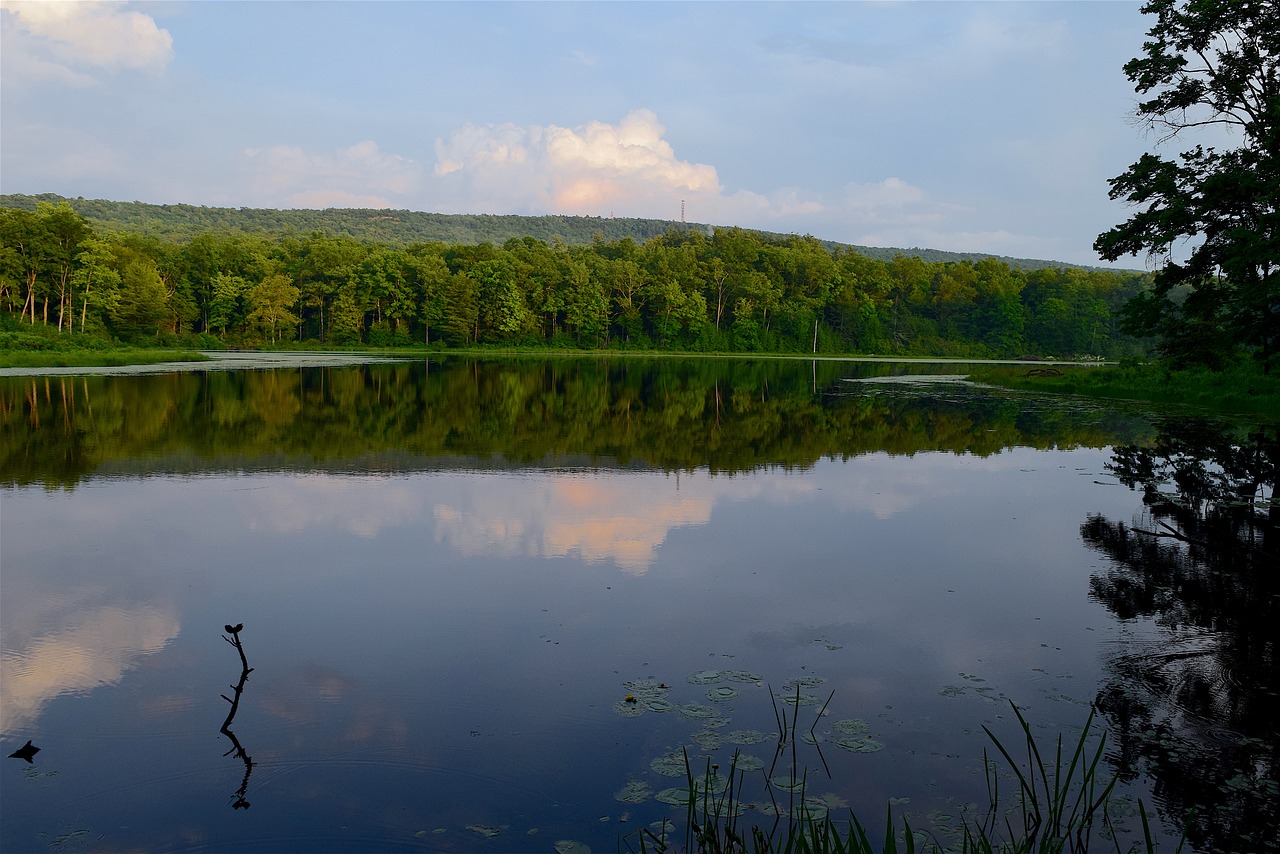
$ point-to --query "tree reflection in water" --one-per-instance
(1197, 706)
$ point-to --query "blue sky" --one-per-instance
(968, 126)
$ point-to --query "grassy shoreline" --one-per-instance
(1240, 389)
(95, 358)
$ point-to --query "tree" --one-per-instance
(272, 299)
(1207, 64)
(142, 305)
(97, 279)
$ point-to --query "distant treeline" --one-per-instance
(63, 278)
(401, 228)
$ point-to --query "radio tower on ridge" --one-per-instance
(682, 210)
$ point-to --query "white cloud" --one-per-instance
(630, 169)
(62, 40)
(357, 176)
(590, 169)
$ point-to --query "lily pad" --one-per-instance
(748, 736)
(723, 694)
(705, 677)
(803, 682)
(677, 796)
(741, 676)
(788, 784)
(707, 739)
(859, 743)
(697, 710)
(801, 699)
(851, 726)
(747, 762)
(628, 710)
(571, 846)
(671, 765)
(485, 830)
(646, 690)
(635, 792)
(660, 705)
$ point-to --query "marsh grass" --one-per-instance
(1061, 805)
(1241, 388)
(94, 358)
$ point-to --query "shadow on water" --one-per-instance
(239, 799)
(1196, 706)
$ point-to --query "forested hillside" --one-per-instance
(400, 228)
(65, 279)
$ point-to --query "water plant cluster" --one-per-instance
(744, 802)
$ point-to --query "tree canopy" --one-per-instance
(63, 282)
(1210, 215)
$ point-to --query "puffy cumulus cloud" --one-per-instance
(358, 176)
(629, 169)
(66, 41)
(591, 169)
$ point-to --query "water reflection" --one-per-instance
(722, 415)
(94, 646)
(475, 560)
(1197, 705)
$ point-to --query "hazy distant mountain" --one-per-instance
(182, 222)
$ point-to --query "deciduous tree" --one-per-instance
(1207, 64)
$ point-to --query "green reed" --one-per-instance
(1061, 803)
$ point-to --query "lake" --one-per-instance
(489, 604)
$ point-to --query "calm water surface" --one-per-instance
(452, 575)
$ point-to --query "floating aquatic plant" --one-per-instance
(677, 796)
(788, 784)
(705, 677)
(803, 682)
(671, 765)
(635, 792)
(741, 676)
(646, 690)
(723, 694)
(485, 830)
(798, 699)
(749, 736)
(851, 726)
(697, 710)
(859, 743)
(707, 739)
(571, 846)
(660, 705)
(628, 710)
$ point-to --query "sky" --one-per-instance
(986, 127)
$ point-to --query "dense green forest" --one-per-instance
(401, 228)
(63, 279)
